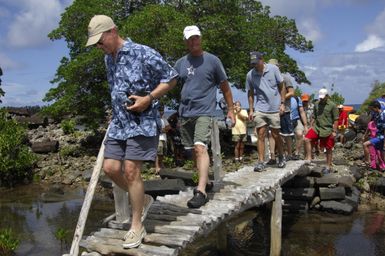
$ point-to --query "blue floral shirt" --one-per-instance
(137, 70)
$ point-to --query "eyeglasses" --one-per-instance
(101, 40)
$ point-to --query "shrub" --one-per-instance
(70, 150)
(16, 159)
(8, 242)
(68, 126)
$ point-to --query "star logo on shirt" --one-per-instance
(191, 71)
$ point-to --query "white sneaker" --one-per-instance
(133, 239)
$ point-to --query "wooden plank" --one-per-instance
(276, 224)
(216, 152)
(121, 204)
(87, 201)
(108, 246)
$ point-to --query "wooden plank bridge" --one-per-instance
(171, 225)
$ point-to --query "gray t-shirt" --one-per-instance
(265, 86)
(288, 84)
(200, 77)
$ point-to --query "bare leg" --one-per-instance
(135, 191)
(278, 140)
(272, 146)
(308, 149)
(131, 181)
(261, 132)
(203, 164)
(329, 158)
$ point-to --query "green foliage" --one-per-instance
(189, 164)
(337, 98)
(195, 177)
(8, 242)
(68, 126)
(297, 91)
(378, 89)
(231, 29)
(16, 160)
(63, 235)
(70, 150)
(168, 161)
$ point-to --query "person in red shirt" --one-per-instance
(342, 123)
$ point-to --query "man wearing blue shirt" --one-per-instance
(137, 76)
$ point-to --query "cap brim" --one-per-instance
(186, 37)
(321, 96)
(93, 39)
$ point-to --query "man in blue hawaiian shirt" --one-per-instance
(137, 76)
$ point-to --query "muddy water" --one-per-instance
(35, 213)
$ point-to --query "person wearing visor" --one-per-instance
(137, 76)
(200, 73)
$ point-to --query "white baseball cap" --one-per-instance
(190, 31)
(96, 27)
(322, 93)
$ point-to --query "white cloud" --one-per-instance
(352, 74)
(32, 22)
(371, 42)
(376, 35)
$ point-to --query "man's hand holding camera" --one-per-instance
(137, 103)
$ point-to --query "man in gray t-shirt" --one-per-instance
(264, 83)
(201, 73)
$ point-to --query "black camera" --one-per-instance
(129, 102)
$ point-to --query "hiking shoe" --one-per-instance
(209, 186)
(325, 170)
(281, 162)
(133, 239)
(272, 162)
(198, 199)
(295, 157)
(148, 201)
(259, 167)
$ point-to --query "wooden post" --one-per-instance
(276, 224)
(87, 201)
(121, 204)
(222, 238)
(216, 151)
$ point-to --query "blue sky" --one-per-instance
(348, 38)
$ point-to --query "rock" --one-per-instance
(295, 206)
(346, 181)
(337, 193)
(300, 182)
(298, 193)
(357, 172)
(336, 207)
(315, 202)
(327, 180)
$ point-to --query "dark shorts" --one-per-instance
(377, 143)
(287, 128)
(324, 142)
(137, 148)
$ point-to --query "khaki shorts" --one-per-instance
(270, 119)
(195, 130)
(239, 137)
(299, 128)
